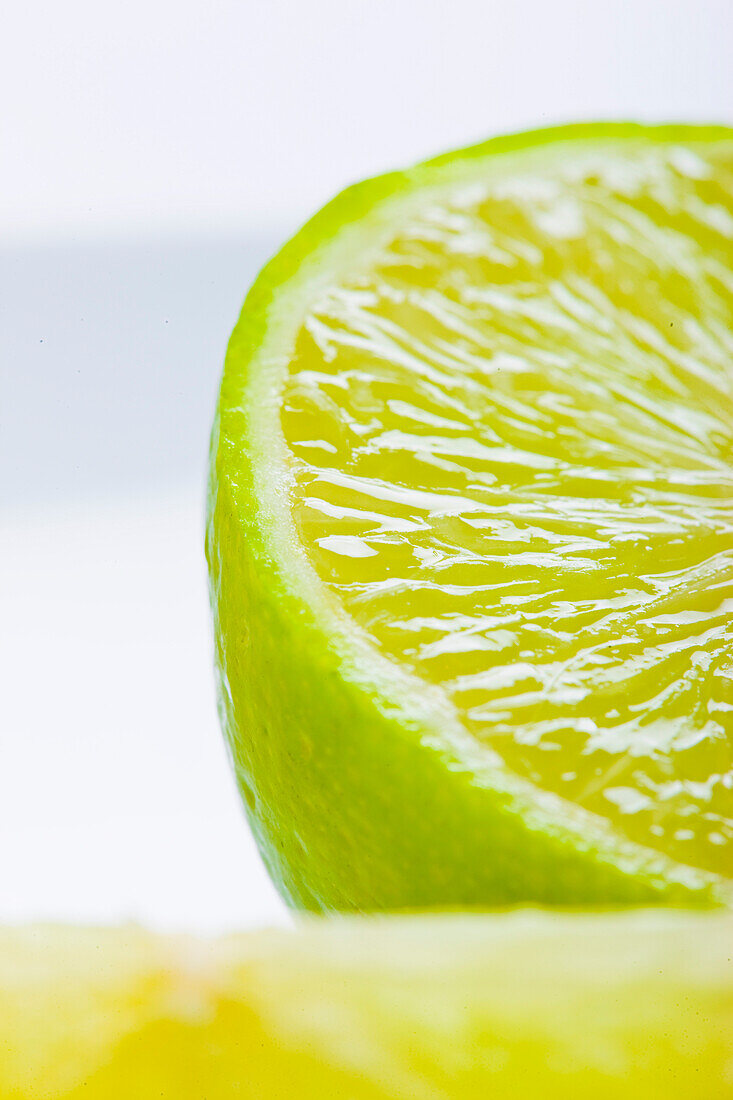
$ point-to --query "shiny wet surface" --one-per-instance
(512, 444)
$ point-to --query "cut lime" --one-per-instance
(471, 530)
(624, 1007)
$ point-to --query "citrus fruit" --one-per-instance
(471, 530)
(614, 1007)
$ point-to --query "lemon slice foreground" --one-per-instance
(625, 1007)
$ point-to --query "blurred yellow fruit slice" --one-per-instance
(520, 1006)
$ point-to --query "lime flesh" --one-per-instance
(512, 441)
(613, 1007)
(475, 438)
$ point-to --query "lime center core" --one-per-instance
(512, 448)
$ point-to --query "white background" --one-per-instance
(153, 153)
(208, 113)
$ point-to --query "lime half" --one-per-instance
(471, 530)
(615, 1007)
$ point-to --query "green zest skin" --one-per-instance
(470, 530)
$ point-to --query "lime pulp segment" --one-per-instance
(510, 438)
